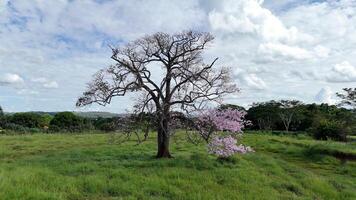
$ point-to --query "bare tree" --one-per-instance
(348, 99)
(187, 82)
(287, 111)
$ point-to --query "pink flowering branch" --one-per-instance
(232, 122)
(211, 121)
(225, 147)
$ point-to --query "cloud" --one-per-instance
(275, 51)
(342, 72)
(46, 83)
(11, 80)
(248, 16)
(50, 85)
(251, 81)
(27, 92)
(325, 95)
(270, 45)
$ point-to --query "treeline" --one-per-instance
(35, 122)
(288, 116)
(322, 121)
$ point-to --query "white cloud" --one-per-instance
(248, 16)
(50, 85)
(325, 95)
(342, 72)
(276, 51)
(271, 49)
(251, 81)
(39, 80)
(11, 79)
(46, 83)
(27, 92)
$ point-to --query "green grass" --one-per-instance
(88, 167)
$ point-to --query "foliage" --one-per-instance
(293, 115)
(67, 121)
(330, 129)
(264, 115)
(29, 120)
(1, 112)
(231, 106)
(106, 124)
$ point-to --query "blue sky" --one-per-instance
(290, 49)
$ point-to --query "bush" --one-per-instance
(29, 120)
(14, 127)
(329, 129)
(69, 122)
(106, 124)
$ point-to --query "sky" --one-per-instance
(290, 49)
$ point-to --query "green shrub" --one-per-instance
(29, 120)
(330, 129)
(69, 122)
(20, 129)
(106, 124)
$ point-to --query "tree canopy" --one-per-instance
(187, 82)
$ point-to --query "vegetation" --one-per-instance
(299, 117)
(187, 82)
(69, 122)
(327, 129)
(86, 166)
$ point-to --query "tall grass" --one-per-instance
(86, 166)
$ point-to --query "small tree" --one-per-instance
(231, 122)
(187, 82)
(211, 121)
(287, 111)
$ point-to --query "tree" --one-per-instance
(67, 121)
(28, 119)
(264, 114)
(287, 111)
(1, 112)
(231, 106)
(187, 82)
(348, 99)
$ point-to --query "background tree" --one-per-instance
(28, 119)
(264, 115)
(69, 122)
(288, 111)
(1, 112)
(231, 106)
(187, 82)
(348, 97)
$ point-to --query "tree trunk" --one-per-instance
(163, 140)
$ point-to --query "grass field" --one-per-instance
(88, 167)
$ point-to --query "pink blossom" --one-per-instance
(225, 147)
(224, 120)
(233, 121)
